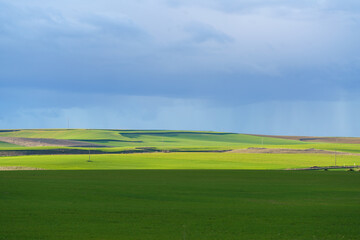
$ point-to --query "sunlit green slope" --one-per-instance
(126, 138)
(7, 145)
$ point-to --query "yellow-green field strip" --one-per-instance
(180, 161)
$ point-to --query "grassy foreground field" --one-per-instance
(178, 204)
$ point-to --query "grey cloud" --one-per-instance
(201, 33)
(39, 24)
(121, 29)
(251, 5)
(241, 5)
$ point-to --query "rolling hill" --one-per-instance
(162, 149)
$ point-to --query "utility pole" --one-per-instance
(68, 123)
(162, 140)
(262, 141)
(89, 156)
(335, 150)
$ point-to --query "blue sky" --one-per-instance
(250, 66)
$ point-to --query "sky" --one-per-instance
(284, 67)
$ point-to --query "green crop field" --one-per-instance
(187, 204)
(185, 185)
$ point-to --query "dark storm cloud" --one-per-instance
(93, 53)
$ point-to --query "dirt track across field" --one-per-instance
(288, 151)
(351, 168)
(351, 140)
(16, 168)
(40, 142)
